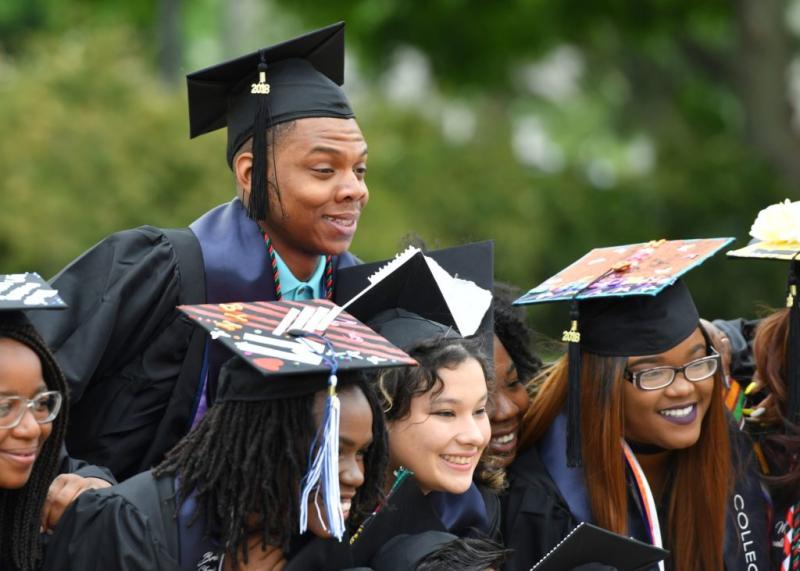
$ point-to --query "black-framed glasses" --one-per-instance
(661, 377)
(44, 407)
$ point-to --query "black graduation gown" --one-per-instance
(536, 517)
(129, 526)
(67, 465)
(409, 511)
(133, 527)
(134, 363)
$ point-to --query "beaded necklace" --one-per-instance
(277, 278)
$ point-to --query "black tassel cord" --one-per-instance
(573, 338)
(259, 203)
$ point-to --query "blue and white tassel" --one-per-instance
(323, 472)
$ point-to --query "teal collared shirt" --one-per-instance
(293, 289)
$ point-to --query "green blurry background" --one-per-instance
(552, 126)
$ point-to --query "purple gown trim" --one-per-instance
(569, 481)
(237, 269)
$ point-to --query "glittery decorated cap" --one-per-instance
(624, 301)
(289, 348)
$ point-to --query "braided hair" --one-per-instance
(243, 458)
(21, 509)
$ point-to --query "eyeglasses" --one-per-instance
(44, 407)
(661, 377)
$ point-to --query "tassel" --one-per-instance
(259, 202)
(793, 346)
(323, 473)
(573, 338)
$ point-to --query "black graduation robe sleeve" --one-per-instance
(121, 343)
(535, 517)
(102, 530)
(83, 469)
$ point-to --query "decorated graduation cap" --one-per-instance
(420, 295)
(296, 79)
(20, 293)
(624, 301)
(287, 349)
(776, 236)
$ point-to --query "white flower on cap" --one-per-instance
(778, 223)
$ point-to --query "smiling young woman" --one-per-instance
(31, 434)
(630, 431)
(515, 365)
(439, 432)
(438, 427)
(679, 435)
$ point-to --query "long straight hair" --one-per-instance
(769, 349)
(703, 472)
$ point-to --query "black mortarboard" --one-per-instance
(624, 301)
(295, 79)
(417, 295)
(588, 543)
(776, 236)
(285, 349)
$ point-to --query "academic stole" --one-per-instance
(791, 540)
(646, 497)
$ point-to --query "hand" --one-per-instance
(721, 343)
(763, 412)
(269, 559)
(62, 492)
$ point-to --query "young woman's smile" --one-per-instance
(20, 376)
(355, 437)
(510, 403)
(670, 417)
(442, 438)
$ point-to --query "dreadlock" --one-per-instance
(21, 509)
(243, 457)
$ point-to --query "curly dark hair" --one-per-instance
(21, 509)
(513, 332)
(397, 387)
(243, 457)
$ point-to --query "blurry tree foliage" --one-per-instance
(552, 126)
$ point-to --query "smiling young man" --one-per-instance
(139, 374)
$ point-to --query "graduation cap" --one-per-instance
(588, 543)
(295, 79)
(419, 295)
(21, 292)
(776, 236)
(624, 301)
(286, 349)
